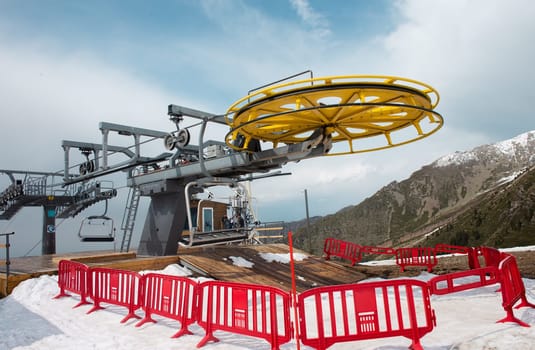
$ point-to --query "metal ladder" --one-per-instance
(129, 217)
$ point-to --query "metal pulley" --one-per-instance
(169, 142)
(181, 140)
(87, 167)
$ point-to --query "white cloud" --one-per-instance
(311, 17)
(51, 96)
(476, 54)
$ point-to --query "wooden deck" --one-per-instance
(217, 262)
(214, 262)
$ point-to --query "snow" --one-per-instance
(507, 147)
(456, 158)
(509, 178)
(32, 319)
(282, 258)
(173, 270)
(239, 261)
(528, 248)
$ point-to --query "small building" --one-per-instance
(213, 215)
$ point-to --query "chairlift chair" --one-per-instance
(97, 228)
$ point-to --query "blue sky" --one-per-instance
(171, 43)
(67, 65)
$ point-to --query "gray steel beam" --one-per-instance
(25, 172)
(97, 147)
(175, 110)
(233, 164)
(130, 130)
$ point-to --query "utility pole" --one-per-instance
(308, 223)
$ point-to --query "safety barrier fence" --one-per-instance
(484, 256)
(506, 274)
(492, 256)
(421, 256)
(73, 277)
(351, 251)
(378, 250)
(117, 287)
(413, 256)
(451, 249)
(326, 315)
(342, 249)
(512, 288)
(463, 280)
(172, 297)
(248, 309)
(343, 313)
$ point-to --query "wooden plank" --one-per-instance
(13, 281)
(95, 257)
(217, 262)
(139, 264)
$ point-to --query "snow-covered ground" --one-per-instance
(31, 319)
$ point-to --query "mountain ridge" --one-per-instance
(431, 198)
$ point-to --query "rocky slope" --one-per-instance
(491, 185)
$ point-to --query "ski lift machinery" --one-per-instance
(285, 121)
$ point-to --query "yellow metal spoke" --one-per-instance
(347, 107)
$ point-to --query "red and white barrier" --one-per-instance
(73, 277)
(492, 256)
(464, 280)
(378, 250)
(117, 287)
(352, 312)
(247, 309)
(512, 288)
(451, 249)
(326, 315)
(423, 256)
(342, 249)
(172, 297)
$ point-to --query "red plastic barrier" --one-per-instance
(117, 287)
(73, 277)
(248, 309)
(172, 297)
(492, 256)
(423, 256)
(352, 312)
(342, 249)
(512, 288)
(464, 280)
(473, 258)
(451, 249)
(378, 250)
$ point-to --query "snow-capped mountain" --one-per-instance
(520, 149)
